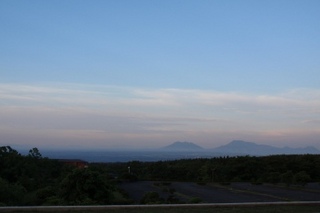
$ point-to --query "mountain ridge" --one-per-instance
(251, 148)
(240, 147)
(182, 146)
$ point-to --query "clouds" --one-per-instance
(167, 72)
(110, 115)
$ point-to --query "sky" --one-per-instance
(121, 74)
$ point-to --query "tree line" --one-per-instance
(35, 180)
(288, 169)
(30, 179)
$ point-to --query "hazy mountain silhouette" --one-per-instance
(176, 150)
(182, 146)
(238, 147)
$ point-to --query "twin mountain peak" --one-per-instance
(239, 147)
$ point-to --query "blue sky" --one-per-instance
(120, 74)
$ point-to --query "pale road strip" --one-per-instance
(106, 207)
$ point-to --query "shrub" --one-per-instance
(152, 198)
(195, 200)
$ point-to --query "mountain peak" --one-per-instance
(182, 146)
(241, 143)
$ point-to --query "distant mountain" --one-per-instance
(182, 146)
(238, 147)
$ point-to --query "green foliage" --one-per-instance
(195, 200)
(34, 180)
(45, 195)
(272, 177)
(86, 186)
(10, 193)
(152, 198)
(287, 177)
(34, 153)
(10, 164)
(269, 169)
(302, 178)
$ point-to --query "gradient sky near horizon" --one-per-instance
(99, 74)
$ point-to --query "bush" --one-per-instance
(195, 200)
(152, 198)
(287, 178)
(302, 178)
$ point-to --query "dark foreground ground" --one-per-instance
(187, 192)
(213, 198)
(274, 207)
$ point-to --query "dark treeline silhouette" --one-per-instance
(288, 169)
(34, 180)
